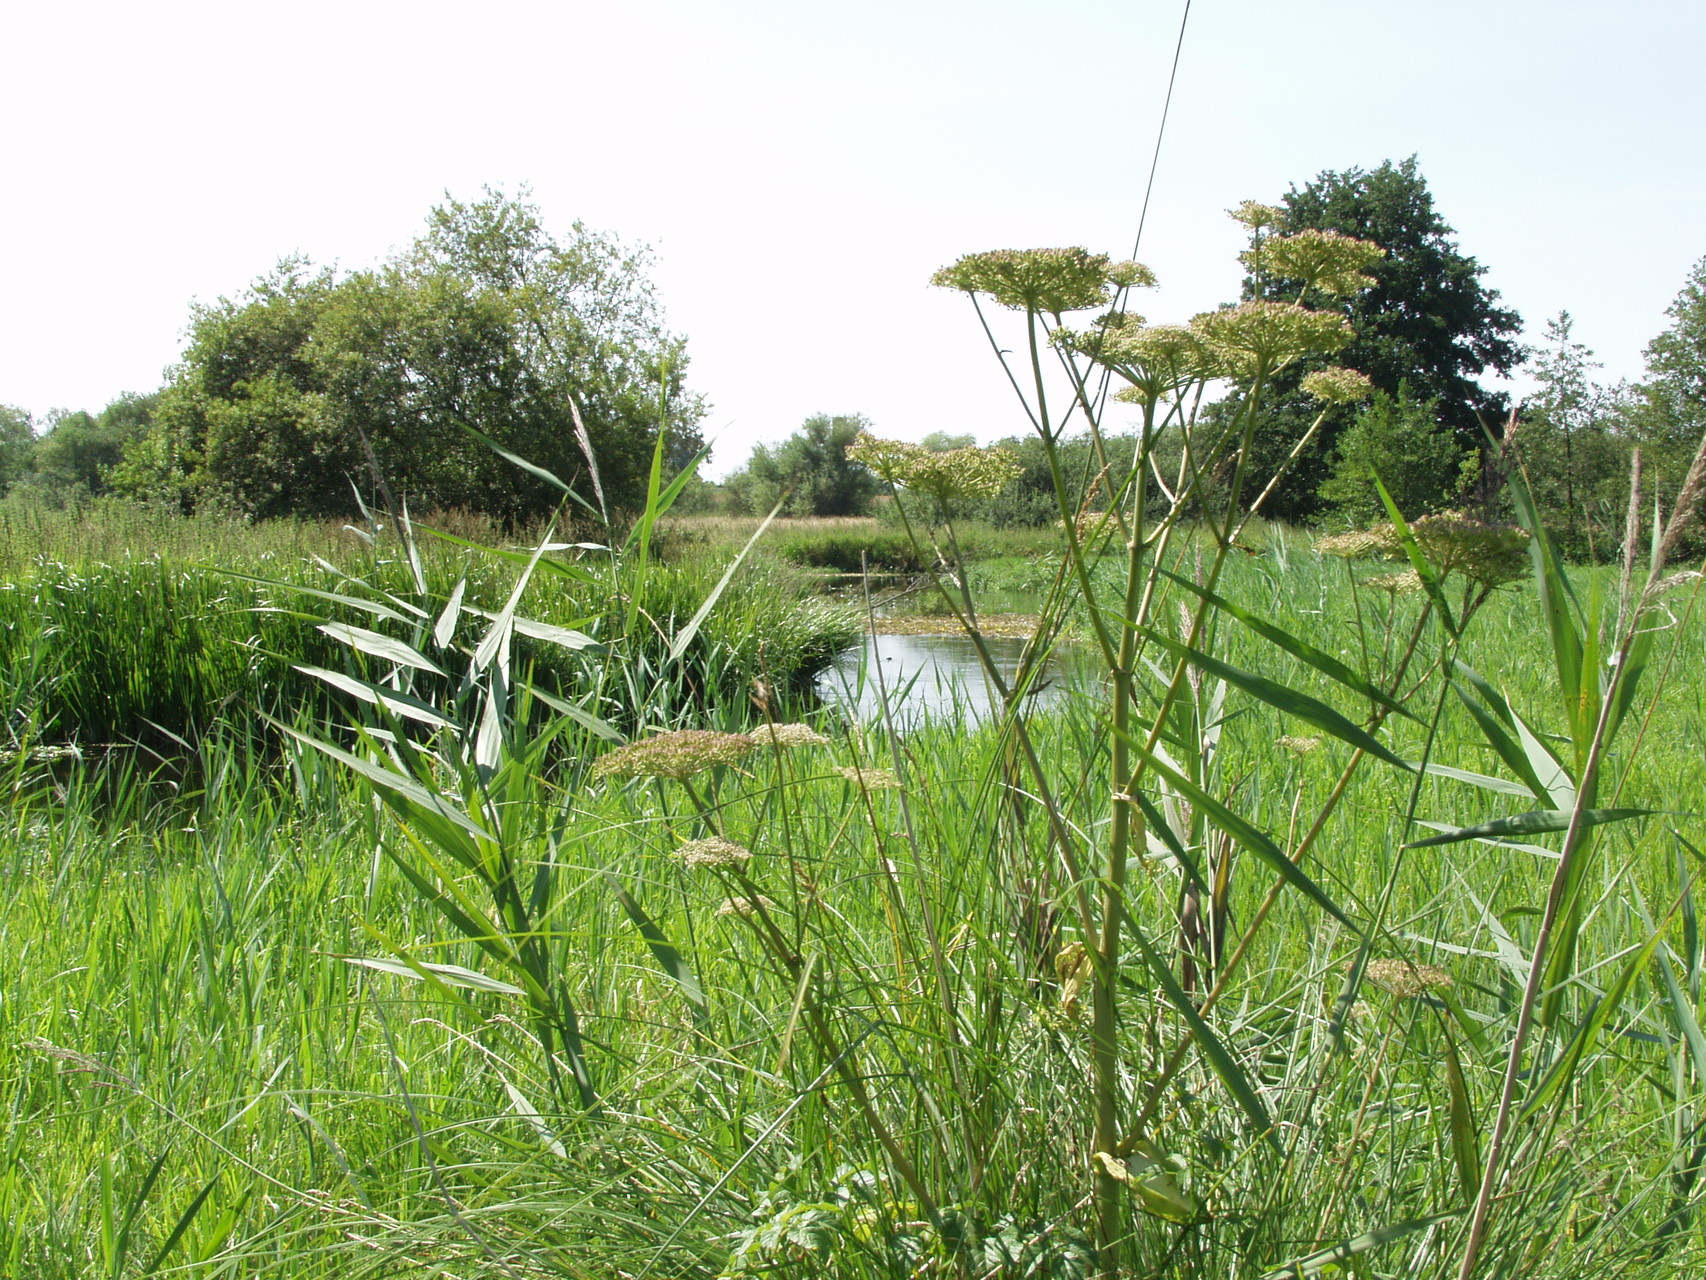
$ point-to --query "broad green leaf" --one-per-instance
(445, 629)
(1321, 660)
(1245, 833)
(1219, 1059)
(1538, 850)
(349, 602)
(1532, 823)
(1295, 704)
(451, 974)
(389, 779)
(1332, 1260)
(561, 636)
(685, 636)
(1419, 562)
(1682, 1013)
(1556, 601)
(377, 695)
(1498, 733)
(386, 648)
(662, 949)
(1465, 1140)
(1583, 1042)
(580, 715)
(1486, 783)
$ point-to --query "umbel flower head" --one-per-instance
(1256, 215)
(971, 472)
(1337, 386)
(1453, 542)
(1406, 582)
(790, 735)
(888, 459)
(714, 851)
(747, 906)
(1047, 281)
(678, 754)
(1326, 260)
(1490, 554)
(1156, 359)
(1258, 337)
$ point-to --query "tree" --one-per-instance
(810, 470)
(1574, 457)
(1401, 440)
(79, 451)
(1428, 321)
(17, 438)
(310, 382)
(1669, 414)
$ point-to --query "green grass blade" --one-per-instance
(1290, 701)
(1303, 651)
(1532, 823)
(663, 950)
(1333, 1259)
(1246, 834)
(1220, 1060)
(685, 636)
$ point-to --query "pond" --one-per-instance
(927, 676)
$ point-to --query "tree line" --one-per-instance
(1427, 333)
(316, 386)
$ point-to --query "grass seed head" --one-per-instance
(1298, 746)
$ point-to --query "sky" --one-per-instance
(799, 169)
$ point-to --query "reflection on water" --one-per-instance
(923, 676)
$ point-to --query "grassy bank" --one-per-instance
(122, 623)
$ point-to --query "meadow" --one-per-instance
(504, 903)
(258, 1018)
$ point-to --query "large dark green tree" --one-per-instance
(1428, 321)
(312, 385)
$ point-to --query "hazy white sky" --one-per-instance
(800, 168)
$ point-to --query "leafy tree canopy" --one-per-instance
(1427, 321)
(811, 470)
(1670, 414)
(17, 437)
(79, 451)
(312, 382)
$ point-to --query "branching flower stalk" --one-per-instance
(1251, 342)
